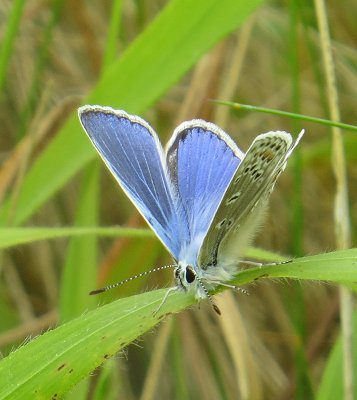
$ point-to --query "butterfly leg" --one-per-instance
(170, 290)
(228, 285)
(251, 263)
(258, 264)
(278, 263)
(237, 288)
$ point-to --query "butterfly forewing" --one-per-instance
(248, 190)
(132, 152)
(201, 161)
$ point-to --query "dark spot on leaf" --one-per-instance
(261, 276)
(215, 307)
(61, 367)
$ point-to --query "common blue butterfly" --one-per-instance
(202, 196)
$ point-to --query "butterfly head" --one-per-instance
(185, 276)
(189, 280)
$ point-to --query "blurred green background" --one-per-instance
(166, 60)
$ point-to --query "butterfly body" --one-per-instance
(202, 196)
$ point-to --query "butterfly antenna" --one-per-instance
(114, 285)
(214, 305)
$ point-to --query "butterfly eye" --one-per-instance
(190, 275)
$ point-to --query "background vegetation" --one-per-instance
(165, 60)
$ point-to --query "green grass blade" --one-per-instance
(331, 386)
(51, 364)
(338, 266)
(281, 113)
(335, 266)
(149, 67)
(10, 237)
(9, 37)
(113, 33)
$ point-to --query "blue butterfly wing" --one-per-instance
(201, 161)
(132, 152)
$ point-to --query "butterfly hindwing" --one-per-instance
(131, 150)
(248, 191)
